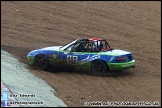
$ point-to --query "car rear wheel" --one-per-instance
(99, 67)
(41, 62)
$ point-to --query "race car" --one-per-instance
(92, 53)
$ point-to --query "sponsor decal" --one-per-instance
(111, 59)
(54, 56)
(88, 59)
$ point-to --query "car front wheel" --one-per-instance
(41, 62)
(99, 67)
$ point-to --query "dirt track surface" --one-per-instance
(132, 26)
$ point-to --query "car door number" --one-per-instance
(72, 59)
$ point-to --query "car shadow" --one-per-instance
(85, 71)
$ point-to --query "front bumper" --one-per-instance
(121, 66)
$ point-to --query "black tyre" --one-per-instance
(114, 73)
(99, 67)
(41, 62)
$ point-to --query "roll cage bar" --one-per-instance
(82, 45)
